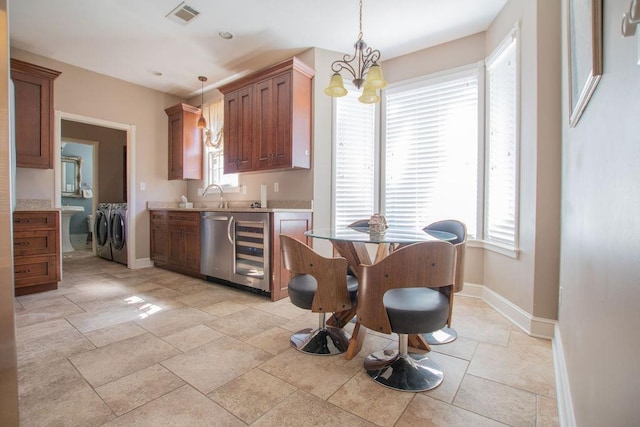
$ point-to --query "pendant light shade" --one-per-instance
(369, 95)
(336, 86)
(202, 123)
(374, 77)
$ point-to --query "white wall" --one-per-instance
(599, 317)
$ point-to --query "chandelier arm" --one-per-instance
(344, 64)
(369, 58)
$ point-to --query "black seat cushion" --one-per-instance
(302, 289)
(416, 310)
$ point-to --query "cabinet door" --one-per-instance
(292, 224)
(274, 123)
(175, 254)
(159, 243)
(33, 120)
(239, 132)
(175, 146)
(265, 130)
(192, 248)
(185, 142)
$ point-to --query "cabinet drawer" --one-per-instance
(35, 270)
(37, 242)
(35, 220)
(184, 218)
(158, 217)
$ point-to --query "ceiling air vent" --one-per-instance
(183, 14)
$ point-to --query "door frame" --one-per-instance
(130, 130)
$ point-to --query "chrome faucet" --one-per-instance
(209, 187)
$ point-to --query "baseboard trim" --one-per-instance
(535, 326)
(566, 416)
(142, 263)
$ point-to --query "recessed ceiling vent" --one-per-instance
(183, 14)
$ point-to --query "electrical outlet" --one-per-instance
(276, 187)
(200, 191)
(244, 189)
(143, 186)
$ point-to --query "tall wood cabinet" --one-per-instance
(36, 251)
(185, 142)
(267, 123)
(34, 114)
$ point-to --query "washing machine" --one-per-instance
(101, 231)
(118, 232)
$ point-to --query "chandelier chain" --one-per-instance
(360, 33)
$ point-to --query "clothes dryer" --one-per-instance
(118, 232)
(101, 232)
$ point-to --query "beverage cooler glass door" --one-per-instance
(250, 236)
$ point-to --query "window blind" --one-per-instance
(501, 170)
(431, 146)
(354, 159)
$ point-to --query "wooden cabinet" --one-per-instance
(36, 251)
(175, 241)
(293, 224)
(34, 114)
(185, 142)
(267, 123)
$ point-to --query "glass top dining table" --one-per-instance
(351, 243)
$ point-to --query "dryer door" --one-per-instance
(117, 230)
(102, 228)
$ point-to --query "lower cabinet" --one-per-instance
(175, 241)
(36, 251)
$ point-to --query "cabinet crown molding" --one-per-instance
(26, 67)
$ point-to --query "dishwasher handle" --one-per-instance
(229, 225)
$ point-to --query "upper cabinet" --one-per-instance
(185, 142)
(267, 119)
(34, 112)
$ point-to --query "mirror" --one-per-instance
(71, 176)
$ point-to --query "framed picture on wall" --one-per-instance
(585, 54)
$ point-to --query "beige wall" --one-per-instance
(599, 315)
(88, 94)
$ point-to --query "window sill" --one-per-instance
(495, 247)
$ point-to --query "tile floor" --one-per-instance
(114, 346)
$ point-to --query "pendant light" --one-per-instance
(202, 123)
(363, 66)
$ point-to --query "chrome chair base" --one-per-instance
(411, 372)
(442, 336)
(323, 341)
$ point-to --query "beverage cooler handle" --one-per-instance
(229, 230)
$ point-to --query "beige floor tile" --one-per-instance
(132, 391)
(480, 322)
(213, 364)
(49, 340)
(547, 412)
(54, 394)
(360, 394)
(122, 358)
(282, 308)
(96, 291)
(87, 322)
(251, 395)
(274, 341)
(111, 334)
(462, 348)
(454, 370)
(223, 308)
(526, 364)
(56, 308)
(303, 409)
(204, 298)
(306, 319)
(193, 337)
(425, 411)
(318, 375)
(246, 324)
(182, 407)
(168, 322)
(497, 401)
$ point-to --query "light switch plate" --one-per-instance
(276, 187)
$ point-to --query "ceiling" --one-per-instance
(133, 40)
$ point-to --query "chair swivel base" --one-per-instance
(324, 342)
(413, 372)
(442, 336)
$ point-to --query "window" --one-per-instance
(213, 153)
(431, 151)
(354, 163)
(501, 145)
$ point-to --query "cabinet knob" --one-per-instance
(23, 271)
(25, 243)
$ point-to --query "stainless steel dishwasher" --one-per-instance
(216, 248)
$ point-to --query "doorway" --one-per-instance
(114, 169)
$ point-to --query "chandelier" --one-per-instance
(202, 123)
(363, 66)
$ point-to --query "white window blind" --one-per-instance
(431, 162)
(501, 149)
(354, 159)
